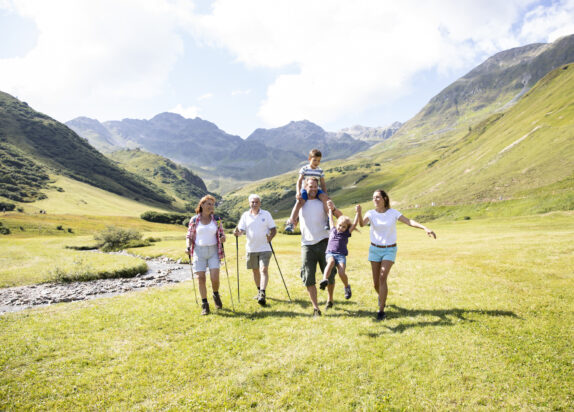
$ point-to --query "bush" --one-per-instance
(170, 218)
(7, 206)
(115, 238)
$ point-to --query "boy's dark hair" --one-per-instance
(315, 153)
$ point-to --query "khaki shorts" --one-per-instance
(257, 260)
(310, 256)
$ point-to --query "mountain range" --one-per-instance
(202, 146)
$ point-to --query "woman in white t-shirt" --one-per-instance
(383, 249)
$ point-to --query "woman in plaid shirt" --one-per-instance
(204, 242)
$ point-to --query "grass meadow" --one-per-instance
(480, 319)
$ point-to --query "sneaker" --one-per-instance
(256, 297)
(205, 308)
(289, 227)
(381, 315)
(217, 301)
(316, 313)
(261, 298)
(323, 284)
(348, 292)
(328, 305)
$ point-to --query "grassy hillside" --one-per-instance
(179, 182)
(60, 151)
(522, 155)
(68, 196)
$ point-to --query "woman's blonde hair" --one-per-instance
(205, 198)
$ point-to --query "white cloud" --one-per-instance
(240, 92)
(345, 56)
(105, 54)
(205, 96)
(190, 112)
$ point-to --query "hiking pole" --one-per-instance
(193, 280)
(275, 256)
(228, 282)
(237, 259)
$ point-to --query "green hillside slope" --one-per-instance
(525, 152)
(54, 148)
(177, 181)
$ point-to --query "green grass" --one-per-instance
(480, 319)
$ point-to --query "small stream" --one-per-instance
(161, 271)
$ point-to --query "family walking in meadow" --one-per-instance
(325, 233)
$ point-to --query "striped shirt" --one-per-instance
(308, 171)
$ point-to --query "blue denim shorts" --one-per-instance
(339, 259)
(378, 254)
(305, 196)
(205, 257)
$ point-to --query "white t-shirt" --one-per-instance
(205, 235)
(256, 228)
(383, 226)
(312, 219)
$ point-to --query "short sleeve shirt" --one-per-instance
(383, 226)
(256, 228)
(312, 222)
(307, 171)
(338, 241)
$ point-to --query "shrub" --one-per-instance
(7, 206)
(157, 217)
(115, 238)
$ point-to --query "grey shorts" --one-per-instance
(310, 256)
(257, 260)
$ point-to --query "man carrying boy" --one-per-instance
(260, 229)
(314, 239)
(310, 170)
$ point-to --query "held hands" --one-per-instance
(358, 208)
(330, 205)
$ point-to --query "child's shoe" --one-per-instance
(323, 284)
(289, 227)
(348, 292)
(326, 227)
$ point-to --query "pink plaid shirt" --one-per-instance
(193, 222)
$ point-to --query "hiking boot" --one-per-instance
(261, 298)
(205, 308)
(217, 301)
(381, 315)
(348, 292)
(289, 227)
(323, 284)
(316, 313)
(328, 305)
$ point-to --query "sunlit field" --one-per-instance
(480, 319)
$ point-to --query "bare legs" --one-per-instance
(214, 275)
(380, 274)
(261, 277)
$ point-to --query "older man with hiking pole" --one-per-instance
(314, 240)
(260, 229)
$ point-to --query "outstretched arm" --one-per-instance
(414, 223)
(356, 220)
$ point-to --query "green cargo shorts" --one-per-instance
(310, 256)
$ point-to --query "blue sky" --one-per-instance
(246, 64)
